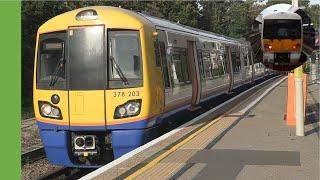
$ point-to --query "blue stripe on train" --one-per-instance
(57, 143)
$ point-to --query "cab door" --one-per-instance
(86, 76)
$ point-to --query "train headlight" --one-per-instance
(128, 109)
(132, 108)
(49, 111)
(267, 46)
(296, 47)
(46, 109)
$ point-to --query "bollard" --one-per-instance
(290, 116)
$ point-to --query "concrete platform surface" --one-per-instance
(241, 144)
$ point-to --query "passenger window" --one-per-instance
(207, 65)
(180, 69)
(235, 57)
(221, 65)
(214, 65)
(224, 54)
(247, 62)
(164, 62)
(200, 62)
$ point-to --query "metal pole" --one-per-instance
(299, 104)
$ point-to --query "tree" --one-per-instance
(314, 12)
(213, 16)
(228, 18)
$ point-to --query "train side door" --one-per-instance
(194, 69)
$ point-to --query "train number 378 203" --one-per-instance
(124, 94)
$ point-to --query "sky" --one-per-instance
(311, 1)
(315, 2)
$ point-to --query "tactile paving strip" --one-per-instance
(175, 161)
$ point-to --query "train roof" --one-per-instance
(127, 19)
(282, 15)
(284, 8)
(111, 17)
(169, 25)
(276, 8)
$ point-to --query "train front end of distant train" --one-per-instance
(281, 38)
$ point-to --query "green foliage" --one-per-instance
(229, 18)
(304, 3)
(314, 12)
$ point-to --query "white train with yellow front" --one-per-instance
(105, 78)
(282, 38)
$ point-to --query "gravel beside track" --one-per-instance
(30, 138)
(37, 169)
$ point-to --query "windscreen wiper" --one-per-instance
(54, 76)
(119, 71)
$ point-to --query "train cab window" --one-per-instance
(181, 69)
(86, 58)
(282, 29)
(51, 70)
(125, 65)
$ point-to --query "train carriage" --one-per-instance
(105, 78)
(282, 38)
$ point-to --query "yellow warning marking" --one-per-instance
(172, 149)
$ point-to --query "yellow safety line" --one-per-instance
(175, 147)
(165, 154)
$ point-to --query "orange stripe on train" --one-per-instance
(114, 122)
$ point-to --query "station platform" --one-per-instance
(243, 139)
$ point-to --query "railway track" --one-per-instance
(35, 152)
(33, 155)
(27, 123)
(66, 173)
